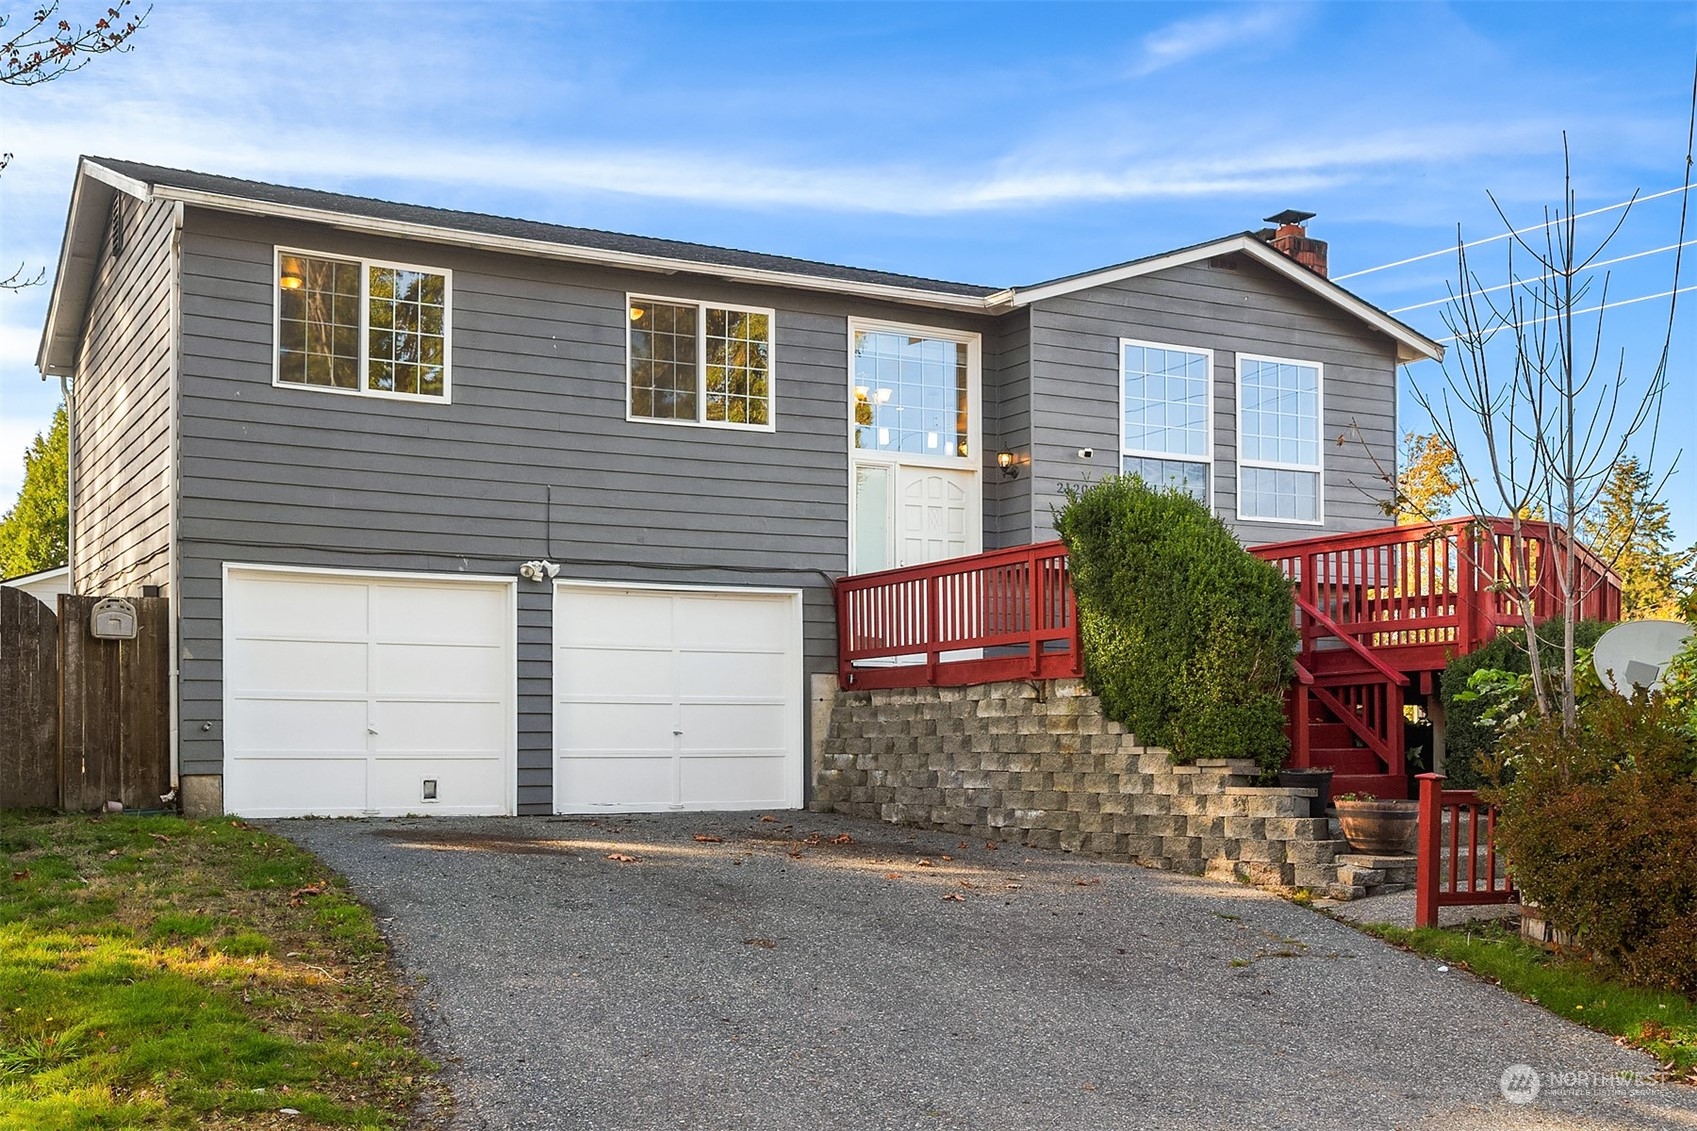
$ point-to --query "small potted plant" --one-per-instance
(1375, 827)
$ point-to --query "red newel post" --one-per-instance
(1430, 850)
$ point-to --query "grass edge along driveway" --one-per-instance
(162, 973)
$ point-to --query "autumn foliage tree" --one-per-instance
(1428, 478)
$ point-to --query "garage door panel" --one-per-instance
(426, 726)
(287, 787)
(591, 728)
(379, 682)
(735, 726)
(296, 667)
(324, 610)
(607, 672)
(430, 614)
(714, 622)
(463, 785)
(423, 670)
(267, 727)
(617, 618)
(734, 782)
(732, 675)
(623, 783)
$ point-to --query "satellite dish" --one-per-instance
(1634, 654)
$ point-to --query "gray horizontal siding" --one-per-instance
(122, 397)
(532, 458)
(1075, 383)
(1007, 427)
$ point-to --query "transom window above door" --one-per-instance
(362, 326)
(1166, 408)
(912, 394)
(697, 363)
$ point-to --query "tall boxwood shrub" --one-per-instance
(1188, 639)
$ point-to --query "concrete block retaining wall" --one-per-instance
(1038, 763)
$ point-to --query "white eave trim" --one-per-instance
(1411, 344)
(544, 249)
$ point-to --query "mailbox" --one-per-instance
(113, 619)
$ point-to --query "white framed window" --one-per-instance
(1166, 416)
(913, 392)
(701, 363)
(1280, 472)
(362, 326)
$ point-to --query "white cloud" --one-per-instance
(1190, 39)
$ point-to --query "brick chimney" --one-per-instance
(1291, 237)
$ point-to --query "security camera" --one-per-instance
(1086, 453)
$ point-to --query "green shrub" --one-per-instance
(1188, 639)
(1600, 827)
(1466, 733)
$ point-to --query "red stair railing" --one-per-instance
(1470, 877)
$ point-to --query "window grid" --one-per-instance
(1165, 418)
(1279, 475)
(695, 363)
(358, 326)
(910, 394)
(1184, 475)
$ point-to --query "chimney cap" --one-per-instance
(1290, 216)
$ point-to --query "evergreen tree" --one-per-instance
(34, 534)
(1633, 529)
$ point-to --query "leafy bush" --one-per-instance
(1600, 827)
(1188, 639)
(1467, 734)
(1679, 684)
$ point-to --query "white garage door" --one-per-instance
(349, 695)
(676, 699)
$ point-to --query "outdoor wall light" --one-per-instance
(290, 278)
(1009, 463)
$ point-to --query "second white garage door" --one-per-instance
(676, 699)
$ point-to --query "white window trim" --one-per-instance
(1207, 458)
(365, 265)
(974, 399)
(1317, 469)
(701, 420)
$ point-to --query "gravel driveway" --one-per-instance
(768, 976)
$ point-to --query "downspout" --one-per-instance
(173, 500)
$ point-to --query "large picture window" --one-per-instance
(1279, 469)
(911, 394)
(696, 363)
(1165, 429)
(362, 326)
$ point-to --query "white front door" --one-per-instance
(937, 515)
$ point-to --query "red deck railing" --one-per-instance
(1006, 614)
(1469, 876)
(1418, 595)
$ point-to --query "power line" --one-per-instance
(1545, 276)
(1588, 310)
(1505, 235)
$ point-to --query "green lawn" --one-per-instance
(162, 973)
(1662, 1023)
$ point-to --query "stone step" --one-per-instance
(1353, 876)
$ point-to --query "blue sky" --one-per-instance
(999, 144)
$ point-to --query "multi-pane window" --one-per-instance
(1164, 435)
(700, 364)
(1279, 430)
(359, 326)
(910, 394)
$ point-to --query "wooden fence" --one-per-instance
(83, 721)
(1457, 869)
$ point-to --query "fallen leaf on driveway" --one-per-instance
(1086, 883)
(955, 897)
(796, 855)
(767, 943)
(962, 844)
(1087, 1087)
(768, 817)
(991, 845)
(842, 838)
(892, 875)
(707, 838)
(946, 856)
(966, 883)
(812, 839)
(309, 889)
(923, 863)
(621, 858)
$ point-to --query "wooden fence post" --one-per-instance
(1430, 840)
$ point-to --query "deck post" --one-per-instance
(1430, 837)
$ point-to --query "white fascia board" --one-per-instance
(79, 252)
(1411, 344)
(545, 250)
(135, 188)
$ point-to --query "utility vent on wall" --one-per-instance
(1223, 263)
(429, 789)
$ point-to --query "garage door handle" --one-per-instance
(370, 730)
(677, 732)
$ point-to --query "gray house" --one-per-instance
(465, 514)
